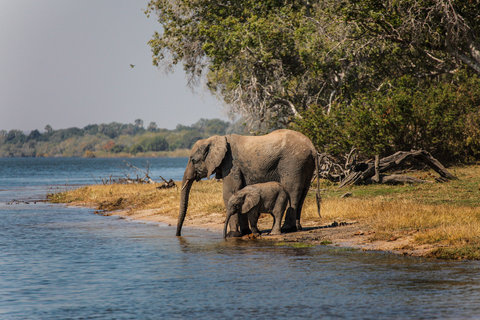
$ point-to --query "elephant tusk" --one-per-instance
(185, 184)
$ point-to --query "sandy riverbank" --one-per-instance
(337, 232)
(347, 234)
(436, 219)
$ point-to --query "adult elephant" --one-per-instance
(285, 156)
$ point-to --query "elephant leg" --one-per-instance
(253, 219)
(277, 213)
(299, 209)
(297, 191)
(290, 224)
(238, 223)
(276, 224)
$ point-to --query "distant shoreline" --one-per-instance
(181, 153)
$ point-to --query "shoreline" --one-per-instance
(346, 234)
(439, 220)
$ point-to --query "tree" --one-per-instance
(48, 129)
(91, 129)
(440, 34)
(157, 143)
(268, 60)
(15, 136)
(34, 135)
(152, 127)
(139, 123)
(211, 126)
(272, 60)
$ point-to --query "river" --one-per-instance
(60, 262)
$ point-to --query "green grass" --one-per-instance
(294, 244)
(462, 192)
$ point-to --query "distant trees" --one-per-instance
(15, 137)
(105, 139)
(139, 123)
(48, 129)
(152, 127)
(34, 135)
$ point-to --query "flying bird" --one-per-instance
(132, 66)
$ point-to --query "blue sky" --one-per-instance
(67, 63)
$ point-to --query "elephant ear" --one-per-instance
(216, 152)
(251, 200)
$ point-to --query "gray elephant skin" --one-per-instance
(284, 156)
(255, 199)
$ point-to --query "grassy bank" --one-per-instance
(441, 218)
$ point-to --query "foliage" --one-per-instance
(442, 118)
(268, 60)
(113, 139)
(348, 73)
(431, 36)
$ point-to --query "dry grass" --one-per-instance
(446, 216)
(205, 198)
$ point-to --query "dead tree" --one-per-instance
(374, 171)
(368, 170)
(167, 184)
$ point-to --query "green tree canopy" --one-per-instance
(271, 59)
(277, 62)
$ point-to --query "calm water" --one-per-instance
(67, 263)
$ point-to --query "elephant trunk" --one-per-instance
(183, 205)
(186, 186)
(227, 219)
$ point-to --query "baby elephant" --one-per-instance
(269, 197)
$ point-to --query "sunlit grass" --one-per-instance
(205, 198)
(441, 214)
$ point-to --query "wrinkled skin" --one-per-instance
(253, 200)
(283, 156)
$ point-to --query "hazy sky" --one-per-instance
(67, 63)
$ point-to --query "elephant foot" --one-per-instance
(299, 226)
(275, 232)
(246, 231)
(234, 234)
(288, 229)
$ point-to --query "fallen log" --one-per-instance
(167, 184)
(373, 171)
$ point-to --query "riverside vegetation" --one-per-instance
(439, 220)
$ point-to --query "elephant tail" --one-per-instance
(318, 196)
